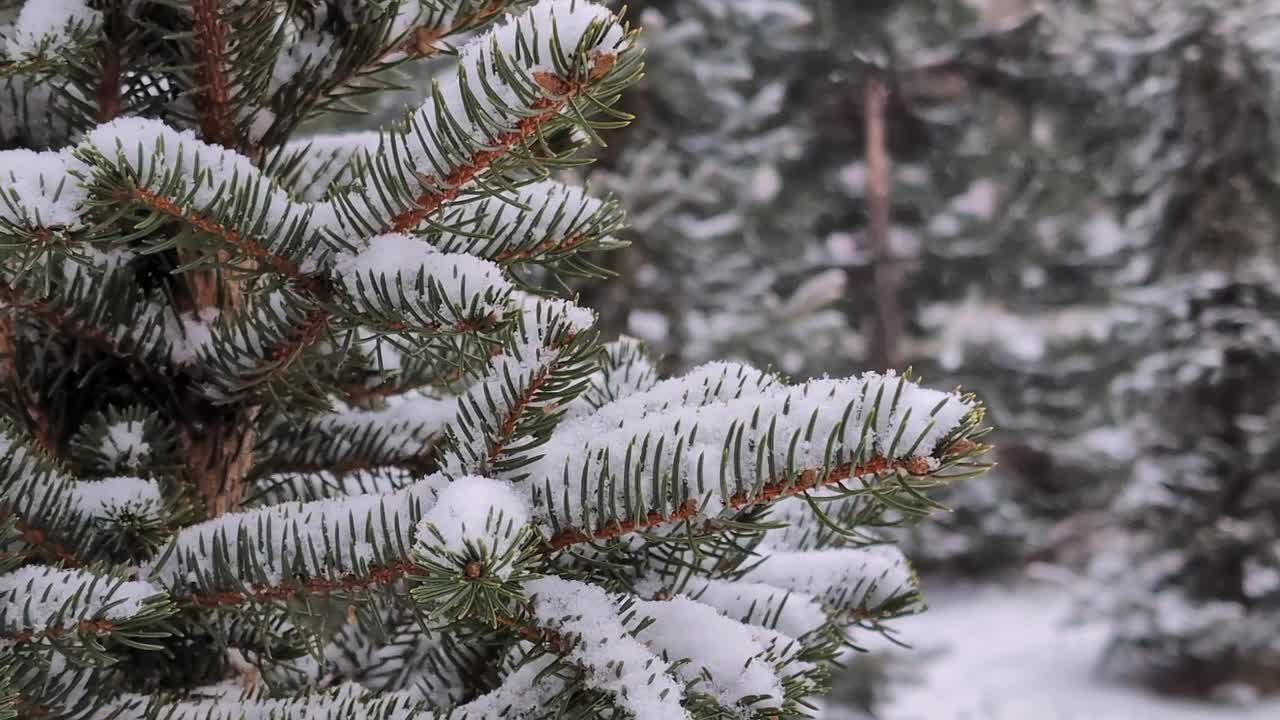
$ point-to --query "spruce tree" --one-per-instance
(731, 268)
(297, 427)
(1185, 148)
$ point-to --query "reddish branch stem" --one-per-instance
(214, 93)
(36, 538)
(449, 187)
(44, 312)
(542, 248)
(84, 627)
(109, 81)
(377, 576)
(246, 245)
(807, 480)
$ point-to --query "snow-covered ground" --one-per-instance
(987, 652)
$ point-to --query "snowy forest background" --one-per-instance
(1068, 207)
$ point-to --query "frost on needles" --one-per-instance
(295, 427)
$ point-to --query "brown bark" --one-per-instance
(39, 424)
(218, 447)
(219, 456)
(8, 371)
(886, 342)
(110, 66)
(213, 98)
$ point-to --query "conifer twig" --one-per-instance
(807, 480)
(110, 65)
(450, 187)
(38, 539)
(377, 576)
(214, 92)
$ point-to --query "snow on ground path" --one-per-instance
(987, 652)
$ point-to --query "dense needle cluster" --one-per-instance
(296, 427)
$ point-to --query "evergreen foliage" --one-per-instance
(297, 427)
(1184, 152)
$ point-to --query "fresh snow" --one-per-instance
(407, 273)
(112, 496)
(617, 661)
(522, 694)
(124, 443)
(542, 314)
(51, 24)
(32, 597)
(853, 577)
(794, 614)
(728, 659)
(478, 512)
(480, 105)
(704, 385)
(542, 215)
(321, 538)
(37, 191)
(327, 159)
(625, 370)
(810, 426)
(1006, 652)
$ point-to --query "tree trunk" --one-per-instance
(886, 342)
(219, 456)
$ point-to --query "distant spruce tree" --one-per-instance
(1183, 145)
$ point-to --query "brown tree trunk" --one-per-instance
(886, 341)
(218, 457)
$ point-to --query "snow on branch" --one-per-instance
(320, 69)
(860, 583)
(727, 660)
(37, 192)
(540, 222)
(211, 188)
(602, 643)
(40, 603)
(320, 164)
(401, 283)
(65, 519)
(249, 349)
(528, 691)
(282, 550)
(345, 702)
(794, 614)
(399, 655)
(512, 82)
(598, 477)
(322, 485)
(624, 370)
(475, 535)
(432, 20)
(404, 433)
(503, 418)
(51, 27)
(119, 442)
(478, 520)
(704, 385)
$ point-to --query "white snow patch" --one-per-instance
(478, 512)
(36, 190)
(50, 23)
(124, 443)
(33, 596)
(1005, 653)
(616, 661)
